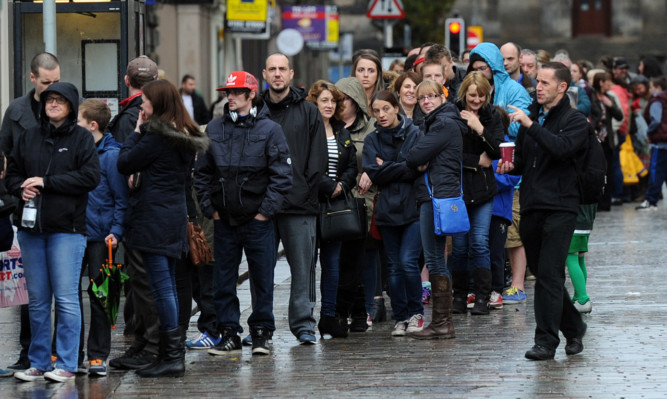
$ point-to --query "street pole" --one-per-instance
(388, 34)
(49, 20)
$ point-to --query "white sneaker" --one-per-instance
(31, 374)
(399, 328)
(496, 301)
(415, 324)
(646, 206)
(585, 308)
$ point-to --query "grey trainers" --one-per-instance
(59, 375)
(31, 374)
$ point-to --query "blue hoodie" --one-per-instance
(107, 203)
(506, 90)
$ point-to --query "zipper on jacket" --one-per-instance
(222, 184)
(245, 180)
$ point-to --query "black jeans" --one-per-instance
(147, 322)
(546, 236)
(497, 240)
(99, 334)
(203, 292)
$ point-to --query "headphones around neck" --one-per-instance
(235, 116)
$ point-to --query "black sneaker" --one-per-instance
(136, 362)
(229, 342)
(22, 364)
(118, 362)
(260, 342)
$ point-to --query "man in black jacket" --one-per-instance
(21, 115)
(241, 182)
(296, 223)
(549, 206)
(140, 71)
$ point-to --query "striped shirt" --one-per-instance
(332, 147)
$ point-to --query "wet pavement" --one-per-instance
(625, 353)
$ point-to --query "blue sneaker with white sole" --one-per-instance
(513, 295)
(203, 341)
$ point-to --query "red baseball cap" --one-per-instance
(239, 80)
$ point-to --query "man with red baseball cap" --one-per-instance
(241, 182)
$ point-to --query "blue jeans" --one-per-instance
(471, 251)
(402, 245)
(658, 174)
(52, 266)
(161, 271)
(330, 262)
(434, 245)
(257, 238)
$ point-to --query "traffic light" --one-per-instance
(455, 35)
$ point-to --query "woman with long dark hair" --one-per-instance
(405, 88)
(396, 215)
(336, 183)
(159, 155)
(367, 69)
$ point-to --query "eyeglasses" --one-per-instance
(237, 92)
(59, 100)
(430, 97)
(481, 68)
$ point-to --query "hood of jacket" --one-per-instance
(107, 143)
(352, 88)
(294, 96)
(262, 112)
(447, 110)
(70, 92)
(491, 54)
(197, 142)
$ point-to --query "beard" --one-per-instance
(279, 90)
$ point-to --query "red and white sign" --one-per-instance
(386, 9)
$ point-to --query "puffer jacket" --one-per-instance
(156, 218)
(479, 183)
(441, 148)
(397, 202)
(107, 204)
(65, 158)
(506, 91)
(304, 131)
(246, 170)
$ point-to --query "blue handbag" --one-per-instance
(450, 216)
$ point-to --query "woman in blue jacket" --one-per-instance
(396, 215)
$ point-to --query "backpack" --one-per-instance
(590, 164)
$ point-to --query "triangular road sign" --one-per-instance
(386, 9)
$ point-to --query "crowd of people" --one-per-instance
(257, 169)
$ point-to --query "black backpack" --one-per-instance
(591, 165)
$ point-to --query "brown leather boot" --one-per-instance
(441, 323)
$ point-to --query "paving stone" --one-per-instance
(624, 357)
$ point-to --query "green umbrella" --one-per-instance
(106, 288)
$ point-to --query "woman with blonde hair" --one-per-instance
(481, 145)
(159, 156)
(336, 183)
(438, 153)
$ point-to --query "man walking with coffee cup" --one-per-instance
(549, 206)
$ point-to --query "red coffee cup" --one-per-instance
(507, 152)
